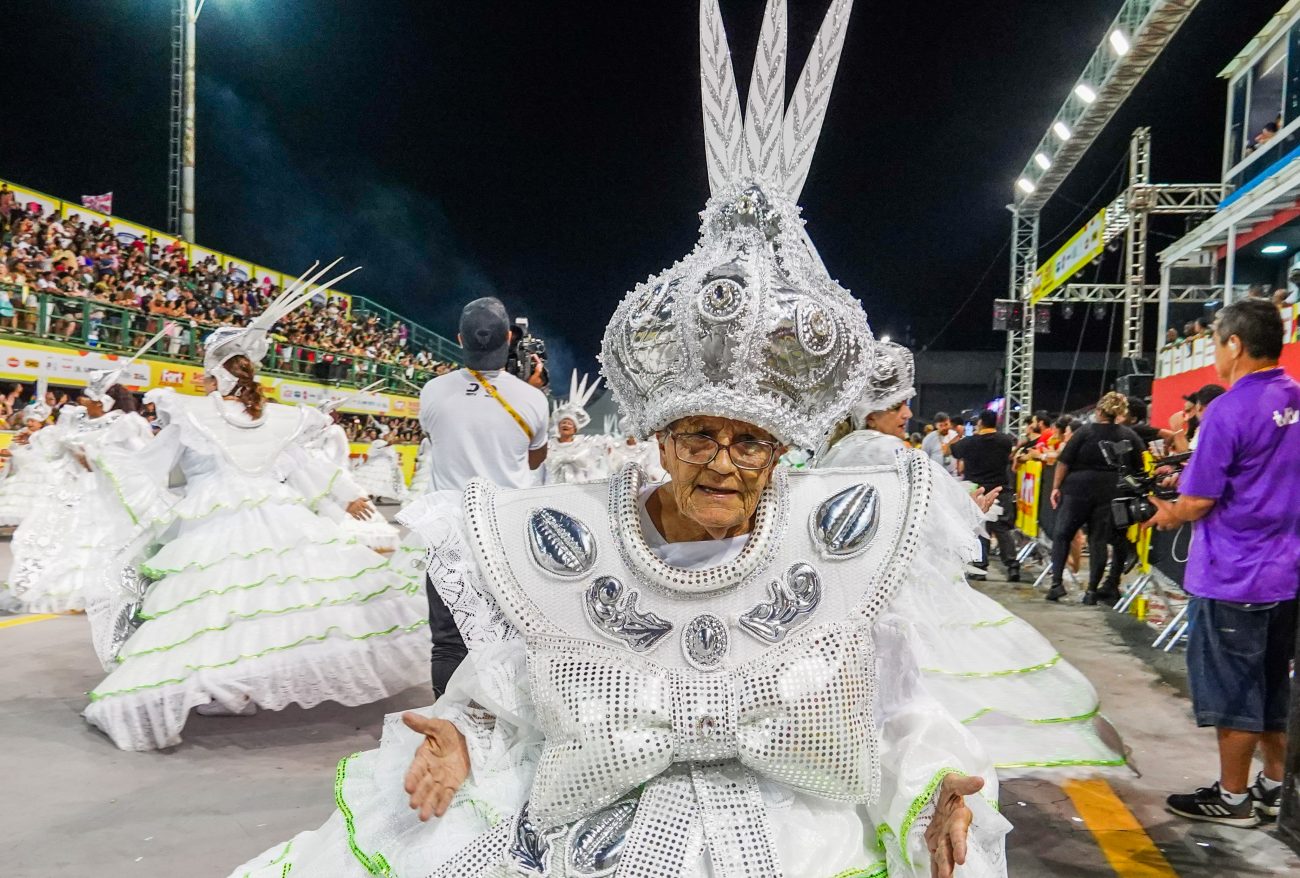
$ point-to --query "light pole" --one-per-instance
(192, 10)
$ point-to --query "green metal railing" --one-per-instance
(88, 323)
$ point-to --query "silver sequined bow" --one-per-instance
(802, 716)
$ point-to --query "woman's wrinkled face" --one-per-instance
(567, 429)
(718, 495)
(892, 422)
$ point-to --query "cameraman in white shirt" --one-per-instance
(481, 421)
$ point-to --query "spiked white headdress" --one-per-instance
(749, 325)
(36, 410)
(251, 340)
(102, 379)
(575, 408)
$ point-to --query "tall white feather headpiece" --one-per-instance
(334, 403)
(575, 407)
(750, 325)
(251, 340)
(102, 379)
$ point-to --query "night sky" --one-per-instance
(552, 153)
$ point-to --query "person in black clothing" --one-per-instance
(985, 460)
(1137, 421)
(1083, 488)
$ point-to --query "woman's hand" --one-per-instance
(440, 766)
(1056, 497)
(946, 834)
(985, 499)
(360, 509)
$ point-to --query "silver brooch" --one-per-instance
(613, 612)
(596, 845)
(560, 543)
(705, 642)
(845, 523)
(721, 300)
(793, 599)
(815, 328)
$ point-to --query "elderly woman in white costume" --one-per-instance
(255, 601)
(25, 479)
(709, 677)
(1029, 707)
(422, 479)
(573, 456)
(380, 474)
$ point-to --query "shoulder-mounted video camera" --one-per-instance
(1133, 505)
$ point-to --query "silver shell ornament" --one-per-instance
(596, 846)
(845, 522)
(560, 543)
(706, 642)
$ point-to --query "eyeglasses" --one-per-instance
(698, 449)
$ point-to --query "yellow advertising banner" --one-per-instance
(1028, 491)
(1086, 245)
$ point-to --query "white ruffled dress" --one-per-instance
(254, 597)
(35, 544)
(422, 480)
(374, 832)
(1004, 680)
(83, 517)
(26, 481)
(380, 474)
(330, 450)
(582, 460)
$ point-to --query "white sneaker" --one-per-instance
(216, 708)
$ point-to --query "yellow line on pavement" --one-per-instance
(23, 620)
(1128, 848)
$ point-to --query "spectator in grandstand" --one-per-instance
(1243, 565)
(1172, 336)
(1083, 486)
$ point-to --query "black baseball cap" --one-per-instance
(485, 333)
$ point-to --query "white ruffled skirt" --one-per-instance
(21, 490)
(258, 599)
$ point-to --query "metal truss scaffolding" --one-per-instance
(175, 118)
(1136, 38)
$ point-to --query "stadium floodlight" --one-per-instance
(1042, 161)
(1119, 42)
(1025, 185)
(1062, 131)
(1085, 92)
(1274, 249)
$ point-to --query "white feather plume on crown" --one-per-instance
(102, 379)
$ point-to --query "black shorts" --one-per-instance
(1238, 663)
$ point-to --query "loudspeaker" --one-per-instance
(1136, 385)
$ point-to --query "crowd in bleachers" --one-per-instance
(83, 259)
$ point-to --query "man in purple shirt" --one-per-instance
(1243, 569)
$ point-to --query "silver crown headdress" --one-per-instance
(251, 340)
(575, 407)
(750, 325)
(102, 379)
(892, 380)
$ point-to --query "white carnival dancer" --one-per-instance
(574, 456)
(61, 549)
(1007, 683)
(712, 677)
(26, 476)
(255, 601)
(331, 450)
(380, 474)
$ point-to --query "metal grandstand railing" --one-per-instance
(90, 324)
